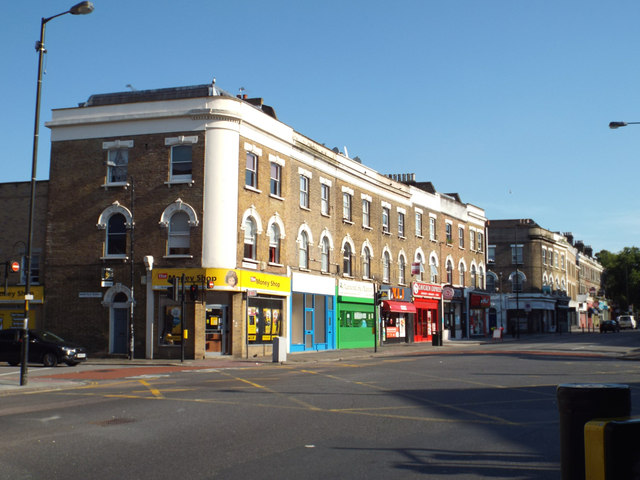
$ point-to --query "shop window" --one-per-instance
(264, 319)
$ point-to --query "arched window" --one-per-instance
(366, 262)
(480, 277)
(346, 260)
(116, 235)
(449, 272)
(462, 269)
(386, 267)
(179, 234)
(474, 278)
(420, 261)
(303, 250)
(433, 270)
(516, 281)
(492, 280)
(402, 267)
(274, 243)
(250, 238)
(324, 246)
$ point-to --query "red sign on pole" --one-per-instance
(15, 266)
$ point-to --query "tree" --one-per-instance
(622, 276)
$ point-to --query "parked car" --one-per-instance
(626, 321)
(44, 347)
(609, 326)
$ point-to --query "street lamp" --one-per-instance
(614, 125)
(81, 8)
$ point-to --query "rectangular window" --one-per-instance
(385, 219)
(276, 179)
(516, 254)
(325, 191)
(480, 242)
(491, 254)
(400, 224)
(432, 229)
(461, 237)
(304, 191)
(366, 213)
(472, 239)
(346, 206)
(181, 162)
(418, 224)
(251, 171)
(35, 269)
(117, 163)
(449, 234)
(544, 256)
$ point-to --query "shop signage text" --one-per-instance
(426, 290)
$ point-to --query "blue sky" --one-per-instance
(506, 102)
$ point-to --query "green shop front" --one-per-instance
(356, 314)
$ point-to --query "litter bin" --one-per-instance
(577, 405)
(436, 339)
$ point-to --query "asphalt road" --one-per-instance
(470, 411)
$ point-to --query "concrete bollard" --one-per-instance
(279, 349)
(577, 405)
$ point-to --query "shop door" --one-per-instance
(119, 324)
(308, 326)
(217, 338)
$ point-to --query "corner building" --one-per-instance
(268, 233)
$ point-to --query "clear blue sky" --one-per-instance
(506, 102)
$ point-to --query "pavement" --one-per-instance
(42, 379)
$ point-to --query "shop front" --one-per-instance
(454, 314)
(478, 322)
(12, 307)
(356, 314)
(427, 300)
(397, 313)
(312, 312)
(222, 312)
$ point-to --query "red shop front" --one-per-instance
(478, 303)
(426, 298)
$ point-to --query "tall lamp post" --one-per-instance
(81, 8)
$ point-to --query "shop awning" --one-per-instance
(400, 307)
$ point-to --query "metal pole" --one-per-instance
(131, 234)
(182, 305)
(519, 286)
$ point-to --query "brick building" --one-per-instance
(540, 278)
(271, 233)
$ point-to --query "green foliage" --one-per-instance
(622, 276)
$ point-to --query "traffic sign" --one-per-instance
(15, 267)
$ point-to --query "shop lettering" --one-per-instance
(192, 279)
(266, 283)
(17, 294)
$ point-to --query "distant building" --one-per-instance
(542, 281)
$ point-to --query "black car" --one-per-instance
(44, 347)
(609, 326)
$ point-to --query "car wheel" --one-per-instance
(72, 364)
(49, 359)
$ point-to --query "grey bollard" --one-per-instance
(279, 349)
(577, 404)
